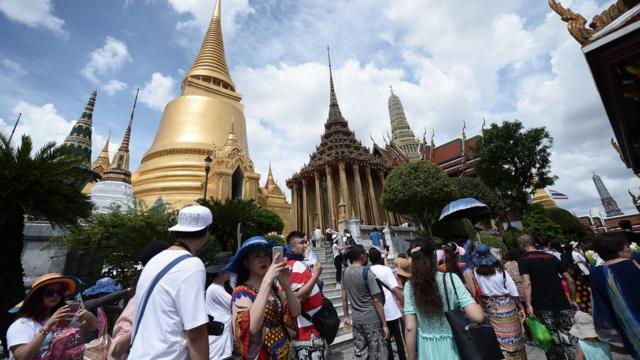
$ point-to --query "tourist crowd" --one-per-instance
(268, 301)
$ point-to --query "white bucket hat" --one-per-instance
(193, 218)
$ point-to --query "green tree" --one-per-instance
(494, 241)
(254, 220)
(537, 221)
(115, 239)
(514, 162)
(419, 189)
(474, 188)
(570, 226)
(43, 185)
(457, 230)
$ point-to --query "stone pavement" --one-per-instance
(344, 351)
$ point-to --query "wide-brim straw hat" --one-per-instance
(255, 242)
(403, 267)
(71, 284)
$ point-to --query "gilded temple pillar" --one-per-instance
(359, 194)
(318, 200)
(344, 187)
(375, 212)
(387, 215)
(305, 208)
(294, 201)
(331, 198)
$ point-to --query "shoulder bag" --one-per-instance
(474, 341)
(326, 320)
(155, 281)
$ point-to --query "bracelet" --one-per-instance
(43, 332)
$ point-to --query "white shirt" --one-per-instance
(317, 234)
(176, 305)
(335, 250)
(494, 285)
(219, 306)
(21, 332)
(385, 274)
(580, 260)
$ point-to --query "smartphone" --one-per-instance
(278, 250)
(74, 307)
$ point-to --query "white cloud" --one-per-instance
(113, 86)
(200, 13)
(33, 13)
(158, 91)
(106, 60)
(43, 123)
(11, 68)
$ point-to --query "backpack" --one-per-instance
(381, 285)
(67, 344)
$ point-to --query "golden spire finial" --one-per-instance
(210, 65)
(105, 148)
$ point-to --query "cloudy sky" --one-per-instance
(448, 61)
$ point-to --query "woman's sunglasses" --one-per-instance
(49, 293)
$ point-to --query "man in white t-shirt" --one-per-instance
(393, 301)
(172, 325)
(218, 303)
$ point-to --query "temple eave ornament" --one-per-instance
(576, 23)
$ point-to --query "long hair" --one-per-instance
(243, 275)
(34, 308)
(423, 277)
(451, 257)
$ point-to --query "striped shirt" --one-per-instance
(300, 275)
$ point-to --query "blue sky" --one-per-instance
(448, 62)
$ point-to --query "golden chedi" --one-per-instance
(206, 119)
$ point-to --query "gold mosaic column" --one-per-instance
(294, 201)
(387, 215)
(344, 187)
(319, 200)
(305, 208)
(372, 196)
(359, 195)
(331, 198)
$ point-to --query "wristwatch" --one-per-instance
(43, 332)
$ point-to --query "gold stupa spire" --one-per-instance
(102, 161)
(541, 197)
(210, 65)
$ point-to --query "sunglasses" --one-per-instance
(49, 293)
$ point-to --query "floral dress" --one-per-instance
(273, 343)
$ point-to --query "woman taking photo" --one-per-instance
(41, 314)
(500, 302)
(262, 311)
(425, 306)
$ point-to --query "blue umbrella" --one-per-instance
(464, 208)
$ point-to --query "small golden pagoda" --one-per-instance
(272, 197)
(101, 163)
(540, 196)
(206, 119)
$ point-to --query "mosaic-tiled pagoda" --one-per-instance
(79, 139)
(456, 157)
(342, 179)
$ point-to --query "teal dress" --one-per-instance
(435, 340)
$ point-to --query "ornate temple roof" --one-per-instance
(79, 139)
(211, 61)
(401, 133)
(600, 25)
(338, 143)
(271, 187)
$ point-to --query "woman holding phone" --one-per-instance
(262, 311)
(42, 313)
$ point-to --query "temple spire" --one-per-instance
(210, 66)
(334, 108)
(609, 204)
(124, 146)
(102, 161)
(79, 139)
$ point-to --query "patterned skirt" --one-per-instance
(583, 294)
(503, 315)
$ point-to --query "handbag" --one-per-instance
(474, 341)
(326, 320)
(541, 335)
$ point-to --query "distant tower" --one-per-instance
(79, 139)
(610, 205)
(401, 133)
